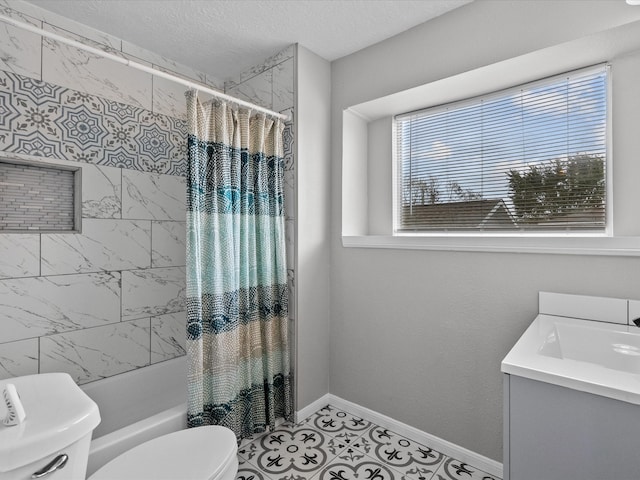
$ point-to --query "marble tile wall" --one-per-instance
(111, 298)
(103, 301)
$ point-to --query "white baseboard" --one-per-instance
(313, 407)
(450, 449)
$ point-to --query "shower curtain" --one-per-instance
(237, 299)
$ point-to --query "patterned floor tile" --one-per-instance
(246, 441)
(336, 445)
(362, 469)
(246, 451)
(348, 441)
(452, 469)
(414, 460)
(333, 421)
(290, 450)
(248, 472)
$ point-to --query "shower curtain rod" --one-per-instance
(139, 66)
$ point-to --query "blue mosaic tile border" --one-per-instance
(42, 119)
(288, 142)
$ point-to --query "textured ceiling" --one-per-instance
(224, 37)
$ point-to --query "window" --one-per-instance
(528, 159)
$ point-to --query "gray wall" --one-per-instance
(313, 89)
(419, 335)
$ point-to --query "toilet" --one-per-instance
(47, 434)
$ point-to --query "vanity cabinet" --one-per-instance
(557, 433)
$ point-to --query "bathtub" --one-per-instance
(135, 407)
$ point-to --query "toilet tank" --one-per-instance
(59, 420)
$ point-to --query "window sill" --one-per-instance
(609, 246)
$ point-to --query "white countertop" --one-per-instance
(590, 356)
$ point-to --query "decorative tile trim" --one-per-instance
(450, 449)
(288, 140)
(42, 119)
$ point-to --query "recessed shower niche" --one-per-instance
(39, 198)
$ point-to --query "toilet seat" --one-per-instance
(201, 453)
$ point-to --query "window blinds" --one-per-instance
(529, 158)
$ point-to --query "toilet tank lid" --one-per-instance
(58, 413)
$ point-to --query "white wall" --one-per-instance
(313, 90)
(419, 335)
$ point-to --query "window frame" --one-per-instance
(364, 150)
(607, 231)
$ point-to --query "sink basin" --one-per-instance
(601, 346)
(590, 356)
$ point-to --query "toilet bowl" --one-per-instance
(203, 453)
(53, 439)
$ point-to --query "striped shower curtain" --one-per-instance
(237, 300)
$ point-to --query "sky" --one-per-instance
(476, 143)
